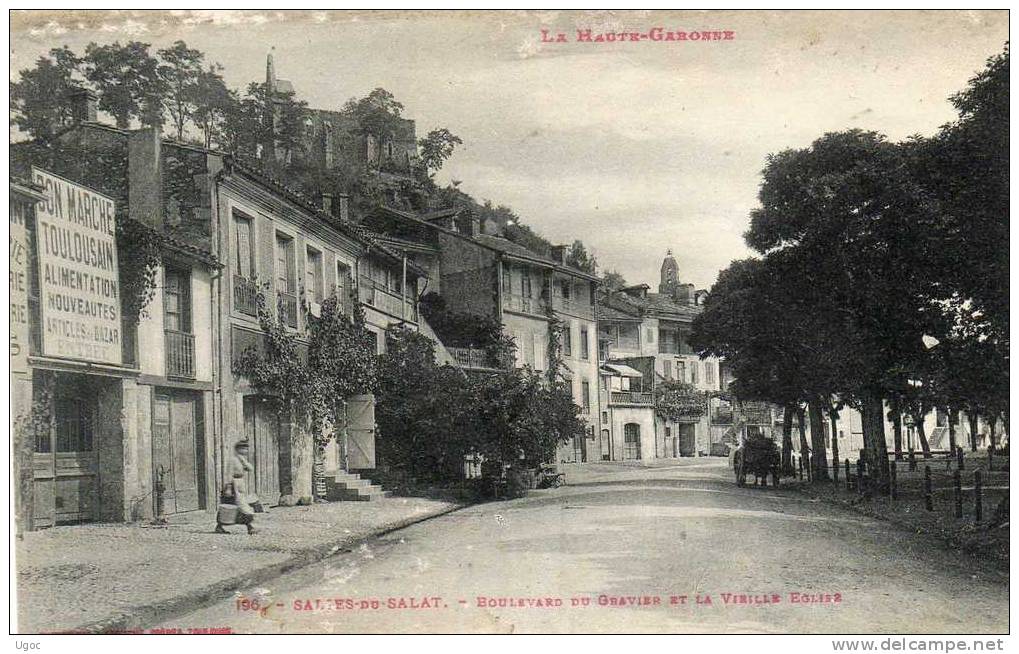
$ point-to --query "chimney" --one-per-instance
(684, 294)
(559, 253)
(83, 105)
(344, 206)
(468, 224)
(327, 203)
(144, 177)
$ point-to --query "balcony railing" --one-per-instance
(572, 305)
(385, 300)
(245, 291)
(180, 354)
(721, 417)
(631, 397)
(471, 358)
(523, 304)
(288, 308)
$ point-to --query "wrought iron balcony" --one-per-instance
(472, 359)
(631, 397)
(288, 309)
(245, 291)
(180, 354)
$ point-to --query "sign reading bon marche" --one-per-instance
(79, 285)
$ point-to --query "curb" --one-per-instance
(146, 614)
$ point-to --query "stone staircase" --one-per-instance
(350, 487)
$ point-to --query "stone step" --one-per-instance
(351, 487)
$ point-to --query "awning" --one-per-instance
(622, 370)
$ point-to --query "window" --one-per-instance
(604, 383)
(667, 369)
(342, 282)
(585, 346)
(525, 284)
(177, 300)
(650, 336)
(693, 372)
(681, 371)
(709, 373)
(568, 340)
(585, 395)
(566, 289)
(313, 275)
(605, 417)
(74, 425)
(286, 278)
(539, 351)
(244, 250)
(285, 273)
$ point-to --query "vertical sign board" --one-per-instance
(79, 285)
(20, 214)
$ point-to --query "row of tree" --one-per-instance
(882, 279)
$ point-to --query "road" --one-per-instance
(633, 549)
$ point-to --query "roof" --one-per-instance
(605, 312)
(363, 234)
(622, 369)
(188, 249)
(663, 303)
(496, 243)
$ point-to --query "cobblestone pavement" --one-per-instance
(70, 577)
(630, 548)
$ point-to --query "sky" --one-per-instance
(634, 147)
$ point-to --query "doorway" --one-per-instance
(178, 446)
(687, 439)
(66, 468)
(631, 441)
(262, 429)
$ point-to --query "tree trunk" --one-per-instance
(787, 440)
(801, 420)
(874, 434)
(973, 426)
(819, 457)
(834, 418)
(992, 422)
(953, 416)
(897, 428)
(922, 435)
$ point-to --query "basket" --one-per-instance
(227, 514)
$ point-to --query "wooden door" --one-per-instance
(687, 440)
(162, 456)
(631, 441)
(605, 438)
(183, 448)
(361, 432)
(175, 448)
(65, 465)
(262, 428)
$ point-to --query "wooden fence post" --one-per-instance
(927, 498)
(978, 500)
(849, 477)
(957, 480)
(958, 455)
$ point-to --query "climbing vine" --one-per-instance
(675, 400)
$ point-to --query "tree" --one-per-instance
(378, 113)
(437, 147)
(180, 71)
(40, 97)
(128, 81)
(214, 102)
(613, 280)
(268, 128)
(578, 257)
